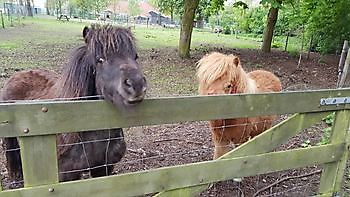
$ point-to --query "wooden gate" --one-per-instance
(37, 123)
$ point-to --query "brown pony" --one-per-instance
(223, 74)
(105, 65)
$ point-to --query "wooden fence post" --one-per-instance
(342, 61)
(344, 73)
(39, 160)
(332, 175)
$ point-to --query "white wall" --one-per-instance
(39, 3)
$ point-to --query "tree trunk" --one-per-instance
(29, 8)
(47, 10)
(172, 14)
(59, 7)
(20, 2)
(270, 27)
(190, 7)
(286, 46)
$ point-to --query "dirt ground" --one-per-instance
(191, 142)
(187, 142)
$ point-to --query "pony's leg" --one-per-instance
(13, 157)
(221, 148)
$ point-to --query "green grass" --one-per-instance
(51, 30)
(9, 45)
(48, 30)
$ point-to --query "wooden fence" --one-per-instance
(37, 129)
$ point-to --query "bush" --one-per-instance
(276, 45)
(227, 30)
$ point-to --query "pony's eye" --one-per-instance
(100, 60)
(228, 86)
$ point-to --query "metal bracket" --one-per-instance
(335, 101)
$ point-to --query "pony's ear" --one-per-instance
(236, 60)
(85, 32)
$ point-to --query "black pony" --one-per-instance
(105, 65)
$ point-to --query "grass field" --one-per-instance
(45, 42)
(152, 37)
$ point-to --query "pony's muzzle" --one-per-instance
(136, 90)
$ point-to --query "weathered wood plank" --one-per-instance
(102, 115)
(265, 142)
(39, 160)
(333, 173)
(277, 134)
(168, 178)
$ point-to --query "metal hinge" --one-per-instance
(335, 101)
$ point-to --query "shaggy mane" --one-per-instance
(78, 78)
(216, 65)
(103, 40)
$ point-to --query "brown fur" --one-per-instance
(105, 64)
(223, 74)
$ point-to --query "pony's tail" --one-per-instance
(13, 158)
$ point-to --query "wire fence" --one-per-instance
(150, 147)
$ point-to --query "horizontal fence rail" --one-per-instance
(36, 122)
(167, 178)
(43, 118)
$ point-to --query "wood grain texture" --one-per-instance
(94, 115)
(167, 178)
(39, 160)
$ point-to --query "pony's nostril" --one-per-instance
(128, 83)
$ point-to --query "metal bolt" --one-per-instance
(51, 189)
(26, 130)
(44, 109)
(4, 122)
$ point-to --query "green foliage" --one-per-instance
(240, 4)
(327, 21)
(205, 9)
(306, 143)
(329, 120)
(276, 45)
(100, 5)
(227, 30)
(85, 6)
(241, 19)
(214, 6)
(133, 7)
(170, 7)
(256, 19)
